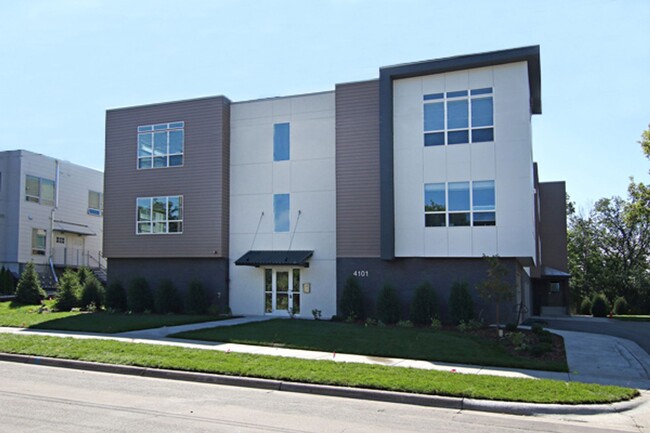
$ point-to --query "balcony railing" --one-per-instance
(78, 257)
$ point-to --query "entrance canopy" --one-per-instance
(549, 272)
(67, 227)
(275, 258)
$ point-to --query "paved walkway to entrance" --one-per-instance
(592, 358)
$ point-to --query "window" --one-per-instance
(281, 212)
(554, 287)
(281, 148)
(39, 239)
(161, 145)
(60, 240)
(457, 204)
(39, 190)
(458, 117)
(95, 203)
(160, 215)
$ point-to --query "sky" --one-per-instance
(64, 62)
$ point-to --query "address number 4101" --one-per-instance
(360, 273)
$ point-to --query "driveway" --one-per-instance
(639, 332)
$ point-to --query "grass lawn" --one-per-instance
(321, 372)
(412, 343)
(27, 316)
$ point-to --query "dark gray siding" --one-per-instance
(357, 170)
(213, 273)
(203, 180)
(406, 274)
(552, 225)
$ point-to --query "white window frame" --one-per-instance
(92, 210)
(445, 100)
(36, 251)
(471, 210)
(38, 199)
(152, 129)
(166, 220)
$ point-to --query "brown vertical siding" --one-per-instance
(552, 225)
(203, 180)
(357, 170)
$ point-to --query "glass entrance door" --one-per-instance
(282, 291)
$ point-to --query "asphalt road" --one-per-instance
(36, 398)
(639, 332)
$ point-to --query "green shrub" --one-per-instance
(138, 296)
(599, 305)
(461, 305)
(92, 292)
(6, 282)
(585, 306)
(471, 325)
(167, 298)
(197, 301)
(621, 306)
(388, 311)
(116, 296)
(540, 348)
(84, 274)
(405, 324)
(436, 324)
(546, 337)
(67, 292)
(511, 327)
(351, 303)
(29, 291)
(424, 307)
(537, 328)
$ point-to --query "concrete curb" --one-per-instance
(458, 403)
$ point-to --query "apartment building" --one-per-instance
(51, 214)
(275, 203)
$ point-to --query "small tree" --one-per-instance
(351, 303)
(621, 306)
(424, 307)
(67, 293)
(461, 304)
(29, 289)
(388, 310)
(116, 296)
(167, 299)
(84, 274)
(138, 296)
(197, 301)
(495, 288)
(92, 292)
(6, 282)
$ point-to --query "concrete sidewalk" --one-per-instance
(592, 358)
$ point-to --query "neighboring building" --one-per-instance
(50, 214)
(275, 203)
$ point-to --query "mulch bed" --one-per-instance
(530, 339)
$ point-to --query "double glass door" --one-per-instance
(282, 291)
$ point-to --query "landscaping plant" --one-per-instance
(585, 306)
(621, 306)
(424, 307)
(461, 305)
(167, 299)
(599, 305)
(116, 296)
(351, 303)
(138, 296)
(495, 288)
(6, 282)
(197, 300)
(67, 292)
(29, 291)
(92, 292)
(388, 310)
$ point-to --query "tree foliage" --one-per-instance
(608, 247)
(495, 287)
(29, 289)
(68, 291)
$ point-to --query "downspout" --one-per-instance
(56, 206)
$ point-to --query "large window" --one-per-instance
(39, 190)
(281, 212)
(95, 203)
(39, 240)
(457, 204)
(458, 117)
(160, 215)
(281, 144)
(161, 145)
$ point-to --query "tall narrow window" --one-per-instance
(459, 204)
(159, 215)
(39, 240)
(281, 208)
(39, 190)
(161, 145)
(435, 206)
(281, 144)
(95, 203)
(483, 203)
